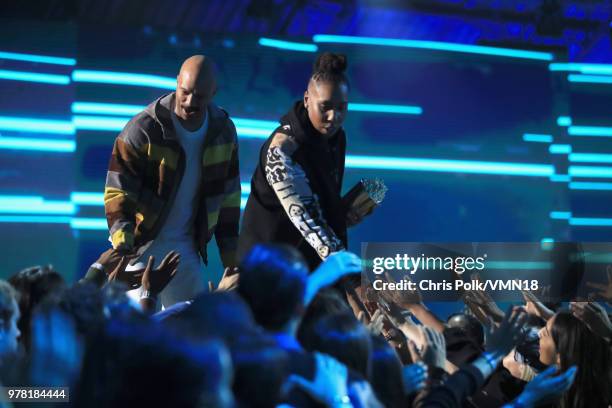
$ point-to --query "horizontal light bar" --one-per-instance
(288, 45)
(560, 149)
(589, 185)
(434, 45)
(252, 133)
(97, 224)
(368, 107)
(590, 171)
(560, 215)
(104, 123)
(20, 124)
(537, 138)
(564, 121)
(591, 222)
(585, 68)
(596, 131)
(123, 78)
(589, 79)
(255, 123)
(456, 166)
(97, 199)
(34, 205)
(37, 219)
(85, 198)
(590, 158)
(560, 178)
(106, 108)
(44, 59)
(521, 265)
(43, 145)
(34, 77)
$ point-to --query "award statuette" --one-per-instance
(362, 198)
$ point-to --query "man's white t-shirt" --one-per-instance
(177, 232)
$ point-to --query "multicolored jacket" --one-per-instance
(145, 170)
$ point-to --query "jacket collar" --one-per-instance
(160, 110)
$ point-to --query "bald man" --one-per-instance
(173, 181)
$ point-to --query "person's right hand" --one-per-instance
(546, 387)
(155, 280)
(330, 383)
(594, 316)
(510, 333)
(335, 267)
(415, 377)
(434, 352)
(604, 291)
(131, 279)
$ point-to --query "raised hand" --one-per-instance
(377, 321)
(155, 280)
(482, 304)
(229, 279)
(594, 316)
(132, 279)
(329, 385)
(335, 267)
(534, 306)
(603, 291)
(434, 351)
(509, 333)
(546, 387)
(415, 377)
(404, 298)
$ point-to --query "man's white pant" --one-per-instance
(189, 279)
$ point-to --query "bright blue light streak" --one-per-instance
(43, 145)
(602, 69)
(590, 158)
(589, 79)
(34, 205)
(123, 78)
(288, 45)
(245, 188)
(106, 108)
(97, 224)
(252, 133)
(455, 166)
(564, 121)
(538, 138)
(87, 198)
(590, 171)
(37, 219)
(34, 77)
(37, 58)
(560, 178)
(434, 45)
(255, 123)
(560, 215)
(369, 107)
(598, 131)
(589, 185)
(522, 265)
(560, 149)
(19, 124)
(102, 123)
(591, 222)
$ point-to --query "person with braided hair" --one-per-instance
(295, 190)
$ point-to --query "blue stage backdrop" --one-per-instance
(474, 143)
